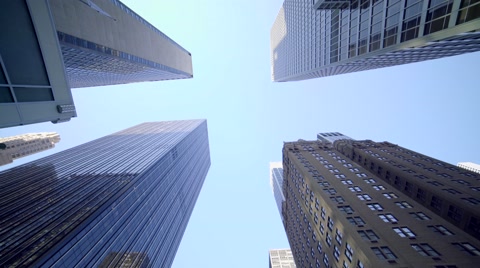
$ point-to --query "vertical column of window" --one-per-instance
(344, 33)
(365, 16)
(411, 19)
(334, 35)
(354, 21)
(376, 28)
(468, 10)
(438, 15)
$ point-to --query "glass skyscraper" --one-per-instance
(317, 38)
(122, 199)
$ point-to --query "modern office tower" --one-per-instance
(22, 145)
(104, 42)
(339, 213)
(281, 258)
(276, 182)
(318, 38)
(80, 43)
(123, 198)
(470, 166)
(331, 137)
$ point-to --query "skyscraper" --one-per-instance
(341, 210)
(81, 43)
(281, 258)
(276, 182)
(318, 38)
(470, 166)
(331, 137)
(123, 198)
(22, 145)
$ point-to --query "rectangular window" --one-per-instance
(361, 175)
(384, 253)
(404, 232)
(347, 182)
(420, 216)
(360, 265)
(349, 252)
(369, 180)
(388, 217)
(330, 191)
(455, 213)
(357, 221)
(451, 191)
(403, 204)
(322, 228)
(319, 247)
(440, 229)
(378, 187)
(468, 248)
(390, 195)
(364, 197)
(336, 252)
(323, 213)
(328, 239)
(337, 199)
(368, 235)
(471, 200)
(436, 203)
(375, 206)
(330, 224)
(355, 189)
(338, 236)
(425, 249)
(346, 209)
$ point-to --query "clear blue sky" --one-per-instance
(431, 107)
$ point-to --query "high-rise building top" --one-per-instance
(125, 198)
(331, 137)
(311, 39)
(281, 258)
(26, 144)
(78, 43)
(104, 42)
(342, 211)
(470, 166)
(276, 182)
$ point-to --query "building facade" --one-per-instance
(82, 43)
(123, 198)
(318, 38)
(18, 146)
(340, 213)
(470, 166)
(276, 182)
(281, 258)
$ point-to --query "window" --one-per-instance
(354, 169)
(337, 199)
(378, 187)
(420, 216)
(403, 204)
(384, 253)
(322, 228)
(325, 260)
(468, 248)
(357, 221)
(461, 182)
(440, 229)
(338, 236)
(455, 213)
(330, 191)
(435, 183)
(349, 252)
(375, 206)
(360, 264)
(346, 209)
(404, 231)
(328, 239)
(421, 194)
(451, 191)
(340, 176)
(471, 200)
(369, 180)
(323, 213)
(345, 265)
(361, 175)
(425, 249)
(436, 203)
(364, 197)
(347, 182)
(336, 252)
(330, 223)
(319, 247)
(355, 189)
(390, 195)
(388, 218)
(368, 235)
